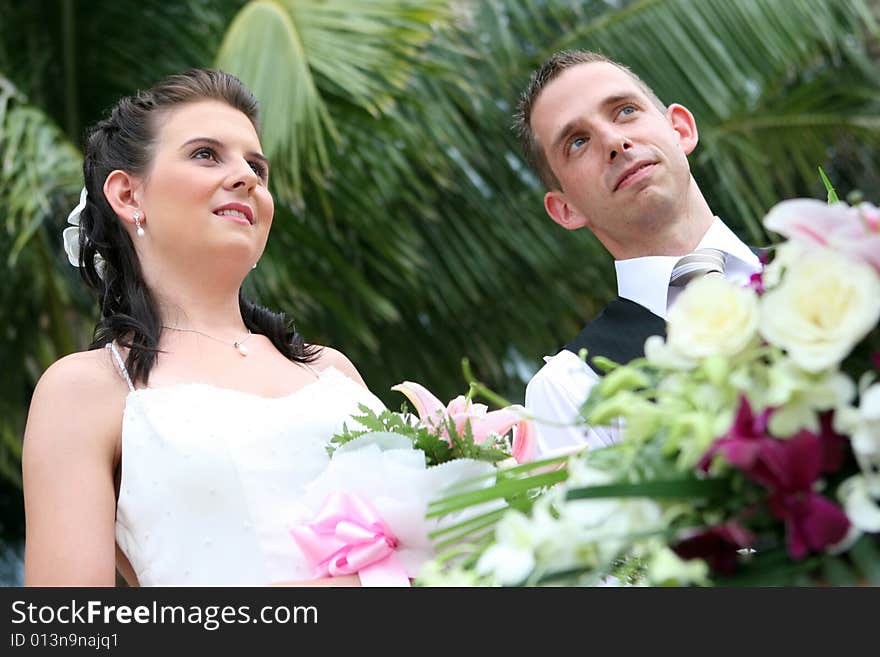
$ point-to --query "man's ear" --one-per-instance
(122, 191)
(562, 212)
(685, 125)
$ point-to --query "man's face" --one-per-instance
(621, 162)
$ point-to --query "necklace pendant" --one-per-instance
(241, 348)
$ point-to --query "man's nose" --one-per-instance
(621, 144)
(613, 140)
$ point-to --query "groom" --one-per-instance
(613, 159)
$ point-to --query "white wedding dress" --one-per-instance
(211, 478)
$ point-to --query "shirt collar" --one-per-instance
(645, 280)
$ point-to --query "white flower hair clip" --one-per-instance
(71, 233)
(70, 236)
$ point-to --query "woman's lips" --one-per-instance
(237, 217)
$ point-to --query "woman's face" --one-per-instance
(205, 197)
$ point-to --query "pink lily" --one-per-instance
(852, 231)
(462, 411)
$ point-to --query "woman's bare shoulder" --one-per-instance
(86, 374)
(330, 357)
(80, 393)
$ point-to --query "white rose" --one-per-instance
(824, 305)
(712, 317)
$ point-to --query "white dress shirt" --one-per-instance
(555, 394)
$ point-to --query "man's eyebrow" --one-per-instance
(569, 127)
(219, 144)
(563, 134)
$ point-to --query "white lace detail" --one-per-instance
(112, 347)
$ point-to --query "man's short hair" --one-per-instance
(549, 70)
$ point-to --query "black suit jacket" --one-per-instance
(620, 330)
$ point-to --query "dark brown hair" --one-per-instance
(126, 140)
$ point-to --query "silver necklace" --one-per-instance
(238, 345)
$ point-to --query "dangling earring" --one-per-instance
(255, 266)
(137, 222)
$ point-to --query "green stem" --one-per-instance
(470, 525)
(478, 388)
(666, 489)
(500, 490)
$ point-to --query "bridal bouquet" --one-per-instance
(751, 450)
(366, 513)
(459, 429)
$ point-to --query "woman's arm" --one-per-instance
(68, 457)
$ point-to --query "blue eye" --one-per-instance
(577, 142)
(629, 109)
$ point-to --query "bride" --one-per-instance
(175, 449)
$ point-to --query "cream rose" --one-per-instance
(712, 317)
(823, 306)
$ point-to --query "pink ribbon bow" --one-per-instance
(349, 536)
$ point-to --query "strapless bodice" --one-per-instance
(211, 478)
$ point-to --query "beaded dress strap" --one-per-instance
(312, 370)
(112, 347)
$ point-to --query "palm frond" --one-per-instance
(40, 176)
(432, 219)
(74, 65)
(37, 164)
(297, 57)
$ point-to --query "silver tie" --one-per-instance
(701, 262)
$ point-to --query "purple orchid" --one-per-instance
(812, 522)
(788, 468)
(716, 545)
(833, 444)
(756, 282)
(748, 447)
